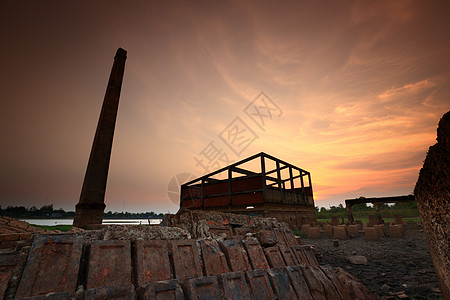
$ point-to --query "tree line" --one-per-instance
(47, 211)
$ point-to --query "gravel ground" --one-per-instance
(393, 264)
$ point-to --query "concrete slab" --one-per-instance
(161, 290)
(56, 255)
(316, 288)
(186, 259)
(214, 259)
(235, 286)
(274, 257)
(151, 261)
(298, 282)
(236, 255)
(204, 288)
(256, 255)
(109, 264)
(260, 285)
(281, 284)
(288, 255)
(119, 292)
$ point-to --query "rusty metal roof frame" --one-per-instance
(278, 182)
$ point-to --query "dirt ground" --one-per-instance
(393, 264)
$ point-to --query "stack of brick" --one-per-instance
(175, 269)
(12, 231)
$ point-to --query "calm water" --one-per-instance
(53, 222)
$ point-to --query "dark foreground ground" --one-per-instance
(393, 264)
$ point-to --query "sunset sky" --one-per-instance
(356, 89)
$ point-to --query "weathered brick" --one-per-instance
(304, 229)
(122, 292)
(281, 283)
(266, 238)
(162, 290)
(217, 230)
(236, 255)
(315, 286)
(4, 280)
(340, 232)
(314, 232)
(214, 259)
(235, 286)
(51, 296)
(330, 289)
(9, 237)
(274, 257)
(298, 282)
(260, 284)
(300, 254)
(186, 259)
(310, 256)
(204, 288)
(395, 231)
(291, 240)
(288, 255)
(352, 230)
(8, 260)
(256, 254)
(380, 230)
(241, 230)
(370, 234)
(56, 255)
(328, 230)
(151, 261)
(109, 263)
(279, 233)
(329, 272)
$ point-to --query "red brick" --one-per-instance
(236, 255)
(314, 232)
(310, 256)
(329, 272)
(328, 230)
(56, 255)
(315, 286)
(216, 231)
(300, 254)
(298, 282)
(340, 232)
(8, 260)
(370, 234)
(304, 229)
(267, 238)
(235, 286)
(109, 263)
(120, 292)
(288, 255)
(274, 257)
(9, 237)
(51, 296)
(204, 288)
(186, 259)
(330, 289)
(214, 259)
(4, 280)
(279, 233)
(380, 230)
(260, 285)
(395, 231)
(291, 240)
(162, 290)
(25, 236)
(256, 254)
(352, 230)
(151, 261)
(281, 284)
(242, 230)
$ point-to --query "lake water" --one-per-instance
(54, 222)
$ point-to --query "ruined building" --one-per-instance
(260, 185)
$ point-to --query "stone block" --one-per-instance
(352, 230)
(119, 292)
(328, 230)
(267, 238)
(281, 283)
(298, 282)
(235, 286)
(161, 290)
(186, 259)
(260, 285)
(380, 230)
(151, 261)
(56, 255)
(274, 257)
(236, 255)
(304, 229)
(256, 255)
(204, 288)
(314, 232)
(315, 286)
(370, 234)
(218, 230)
(214, 259)
(340, 232)
(395, 231)
(288, 255)
(109, 263)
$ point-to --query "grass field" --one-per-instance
(57, 227)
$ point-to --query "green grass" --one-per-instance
(56, 227)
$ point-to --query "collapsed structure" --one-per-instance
(260, 185)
